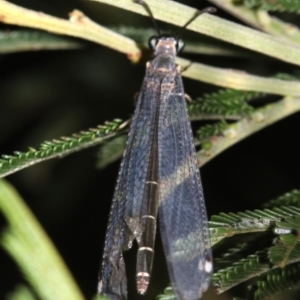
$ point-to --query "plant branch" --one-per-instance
(59, 148)
(211, 148)
(204, 46)
(260, 20)
(176, 13)
(77, 26)
(82, 27)
(236, 132)
(237, 79)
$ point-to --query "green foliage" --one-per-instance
(57, 148)
(253, 244)
(285, 76)
(167, 295)
(237, 265)
(225, 102)
(100, 297)
(268, 243)
(276, 282)
(291, 198)
(205, 46)
(243, 262)
(240, 271)
(287, 246)
(274, 5)
(226, 225)
(211, 130)
(21, 292)
(31, 248)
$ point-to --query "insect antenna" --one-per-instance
(146, 6)
(210, 10)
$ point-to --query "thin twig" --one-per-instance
(77, 26)
(261, 20)
(80, 26)
(237, 79)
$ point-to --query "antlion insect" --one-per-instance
(159, 175)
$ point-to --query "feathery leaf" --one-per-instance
(211, 130)
(277, 281)
(224, 102)
(167, 295)
(58, 148)
(226, 225)
(241, 271)
(287, 246)
(290, 198)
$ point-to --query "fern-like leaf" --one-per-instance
(290, 198)
(252, 244)
(277, 281)
(226, 225)
(224, 102)
(230, 102)
(241, 271)
(270, 282)
(211, 130)
(238, 265)
(287, 246)
(167, 295)
(274, 5)
(285, 221)
(58, 148)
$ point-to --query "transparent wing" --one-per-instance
(128, 205)
(182, 213)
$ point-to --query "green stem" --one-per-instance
(238, 79)
(176, 13)
(260, 20)
(77, 26)
(247, 126)
(29, 245)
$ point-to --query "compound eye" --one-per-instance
(153, 42)
(180, 45)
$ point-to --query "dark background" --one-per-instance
(48, 94)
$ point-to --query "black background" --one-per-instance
(48, 94)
